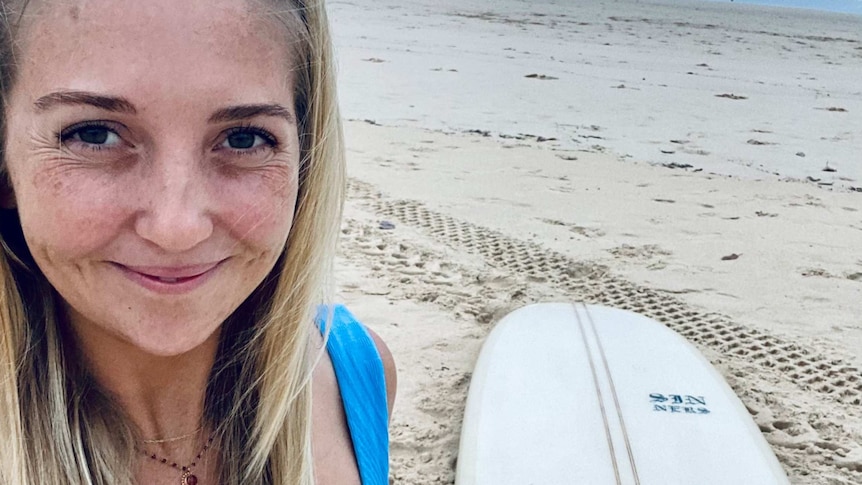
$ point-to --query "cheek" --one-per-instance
(259, 208)
(69, 212)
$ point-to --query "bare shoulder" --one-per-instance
(389, 369)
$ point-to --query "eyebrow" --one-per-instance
(246, 111)
(122, 105)
(108, 103)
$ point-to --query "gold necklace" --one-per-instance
(171, 440)
(187, 477)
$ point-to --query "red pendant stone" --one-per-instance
(191, 480)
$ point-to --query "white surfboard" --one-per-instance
(568, 394)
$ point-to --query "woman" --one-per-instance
(173, 185)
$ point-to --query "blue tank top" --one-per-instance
(362, 383)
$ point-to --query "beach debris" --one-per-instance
(679, 142)
(485, 133)
(527, 136)
(554, 222)
(619, 86)
(855, 277)
(665, 201)
(542, 77)
(855, 189)
(731, 257)
(703, 64)
(817, 272)
(827, 168)
(594, 137)
(765, 214)
(833, 109)
(800, 154)
(667, 152)
(758, 142)
(812, 179)
(566, 156)
(677, 165)
(375, 60)
(730, 96)
(387, 225)
(371, 122)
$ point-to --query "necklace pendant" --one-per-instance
(189, 478)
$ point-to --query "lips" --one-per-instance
(170, 279)
(172, 272)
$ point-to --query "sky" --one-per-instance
(846, 6)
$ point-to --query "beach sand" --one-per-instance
(462, 207)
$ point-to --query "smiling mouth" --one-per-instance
(169, 280)
(155, 277)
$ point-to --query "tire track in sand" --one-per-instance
(814, 447)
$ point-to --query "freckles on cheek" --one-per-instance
(261, 208)
(67, 216)
(263, 220)
(265, 225)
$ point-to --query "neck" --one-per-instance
(162, 395)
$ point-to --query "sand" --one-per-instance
(446, 230)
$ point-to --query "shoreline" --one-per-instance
(840, 7)
(714, 86)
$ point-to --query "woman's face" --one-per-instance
(154, 154)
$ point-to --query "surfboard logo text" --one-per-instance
(678, 403)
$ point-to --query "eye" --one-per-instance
(94, 135)
(248, 139)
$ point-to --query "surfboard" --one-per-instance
(568, 394)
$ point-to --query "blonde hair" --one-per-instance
(58, 426)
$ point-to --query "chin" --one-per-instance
(153, 336)
(173, 347)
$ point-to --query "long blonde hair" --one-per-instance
(57, 427)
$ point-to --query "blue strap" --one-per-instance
(362, 383)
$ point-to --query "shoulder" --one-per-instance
(353, 338)
(389, 369)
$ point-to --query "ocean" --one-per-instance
(841, 6)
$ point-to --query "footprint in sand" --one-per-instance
(770, 374)
(579, 230)
(649, 254)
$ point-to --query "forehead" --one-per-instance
(152, 45)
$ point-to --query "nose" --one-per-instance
(176, 215)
